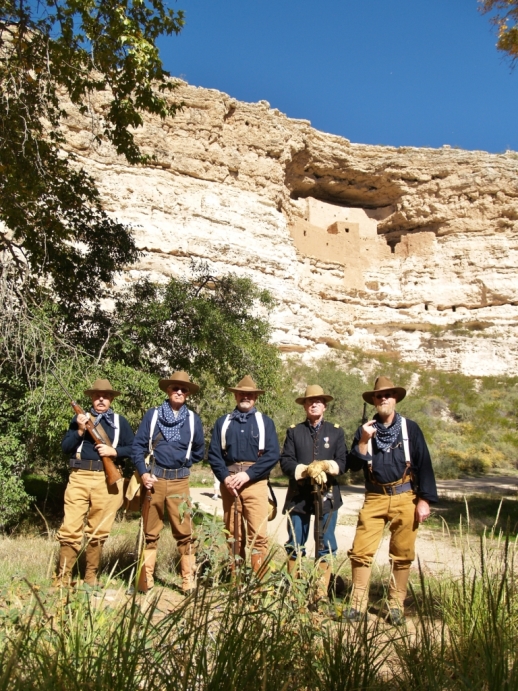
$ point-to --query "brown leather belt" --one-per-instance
(239, 467)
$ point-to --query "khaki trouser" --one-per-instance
(88, 495)
(253, 508)
(171, 494)
(377, 511)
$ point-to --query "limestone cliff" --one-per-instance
(387, 249)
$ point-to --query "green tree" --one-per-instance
(54, 234)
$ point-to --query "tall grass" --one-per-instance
(462, 633)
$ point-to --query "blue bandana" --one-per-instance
(108, 416)
(169, 424)
(236, 414)
(386, 436)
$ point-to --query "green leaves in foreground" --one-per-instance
(461, 635)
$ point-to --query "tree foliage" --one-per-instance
(54, 231)
(505, 18)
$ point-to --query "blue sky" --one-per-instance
(399, 72)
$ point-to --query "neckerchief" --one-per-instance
(169, 424)
(107, 415)
(316, 428)
(386, 436)
(236, 414)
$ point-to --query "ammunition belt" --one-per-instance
(390, 489)
(83, 464)
(239, 466)
(170, 474)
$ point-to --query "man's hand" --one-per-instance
(317, 471)
(148, 480)
(228, 484)
(368, 431)
(422, 510)
(81, 423)
(237, 481)
(105, 450)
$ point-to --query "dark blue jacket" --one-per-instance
(242, 440)
(73, 439)
(389, 466)
(299, 448)
(168, 454)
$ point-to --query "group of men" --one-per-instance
(243, 450)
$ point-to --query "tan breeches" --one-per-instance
(252, 504)
(89, 497)
(377, 511)
(173, 496)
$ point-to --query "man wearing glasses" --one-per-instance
(170, 438)
(314, 452)
(400, 485)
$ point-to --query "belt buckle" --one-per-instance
(90, 462)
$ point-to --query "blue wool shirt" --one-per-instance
(242, 440)
(168, 454)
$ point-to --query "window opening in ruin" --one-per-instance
(426, 307)
(304, 232)
(347, 230)
(453, 309)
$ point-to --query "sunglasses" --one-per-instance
(385, 394)
(182, 389)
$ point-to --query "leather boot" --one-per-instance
(93, 559)
(397, 588)
(188, 571)
(149, 565)
(322, 581)
(67, 560)
(258, 565)
(361, 576)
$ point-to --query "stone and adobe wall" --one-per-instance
(405, 250)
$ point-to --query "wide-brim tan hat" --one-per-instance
(384, 384)
(314, 391)
(179, 378)
(246, 385)
(101, 386)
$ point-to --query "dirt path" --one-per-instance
(436, 553)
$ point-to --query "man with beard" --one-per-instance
(173, 434)
(400, 485)
(242, 452)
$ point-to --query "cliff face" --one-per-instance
(407, 250)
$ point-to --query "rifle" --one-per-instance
(142, 585)
(110, 469)
(364, 414)
(317, 503)
(237, 542)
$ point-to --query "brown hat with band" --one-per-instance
(181, 378)
(246, 385)
(101, 386)
(384, 384)
(314, 391)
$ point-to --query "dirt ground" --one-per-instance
(436, 551)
